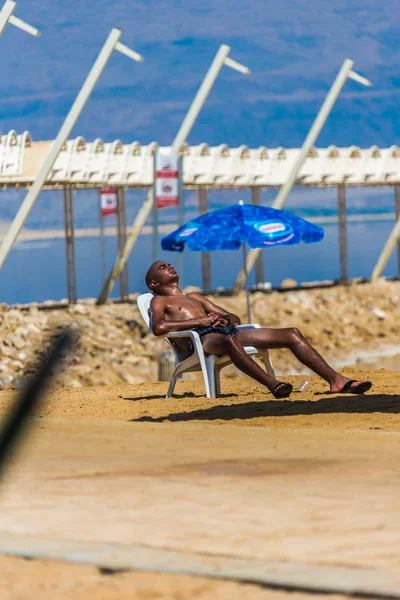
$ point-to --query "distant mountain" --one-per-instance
(293, 49)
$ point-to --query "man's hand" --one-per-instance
(218, 321)
(211, 320)
(205, 321)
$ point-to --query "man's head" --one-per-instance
(161, 275)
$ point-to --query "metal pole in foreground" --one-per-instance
(390, 245)
(344, 74)
(6, 16)
(187, 124)
(69, 123)
(16, 421)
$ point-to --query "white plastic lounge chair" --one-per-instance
(210, 366)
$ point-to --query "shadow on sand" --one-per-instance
(373, 403)
(177, 397)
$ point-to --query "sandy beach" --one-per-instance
(242, 476)
(119, 492)
(132, 495)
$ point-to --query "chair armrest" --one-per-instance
(248, 326)
(182, 334)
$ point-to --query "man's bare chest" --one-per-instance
(184, 307)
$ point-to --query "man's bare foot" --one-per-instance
(350, 386)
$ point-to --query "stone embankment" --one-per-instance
(344, 323)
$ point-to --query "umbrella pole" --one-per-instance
(246, 282)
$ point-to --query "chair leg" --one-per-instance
(209, 377)
(171, 387)
(217, 382)
(267, 363)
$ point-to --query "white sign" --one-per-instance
(108, 201)
(166, 180)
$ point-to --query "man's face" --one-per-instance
(162, 274)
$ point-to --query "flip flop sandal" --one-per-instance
(361, 388)
(282, 390)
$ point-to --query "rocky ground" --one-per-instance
(345, 323)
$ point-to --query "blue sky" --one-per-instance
(293, 48)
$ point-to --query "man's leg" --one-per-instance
(293, 339)
(217, 343)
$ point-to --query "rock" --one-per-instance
(87, 323)
(133, 359)
(79, 308)
(265, 285)
(14, 314)
(22, 332)
(74, 384)
(83, 370)
(17, 341)
(379, 313)
(33, 328)
(17, 364)
(289, 283)
(7, 351)
(129, 378)
(7, 380)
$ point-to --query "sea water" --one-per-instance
(35, 271)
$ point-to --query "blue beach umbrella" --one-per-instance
(241, 225)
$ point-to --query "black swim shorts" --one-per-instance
(205, 330)
(224, 330)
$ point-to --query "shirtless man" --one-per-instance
(171, 310)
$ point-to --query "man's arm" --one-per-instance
(160, 326)
(212, 308)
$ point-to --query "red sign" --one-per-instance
(166, 183)
(108, 201)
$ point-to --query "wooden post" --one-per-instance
(397, 209)
(343, 245)
(70, 243)
(121, 238)
(259, 266)
(205, 256)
